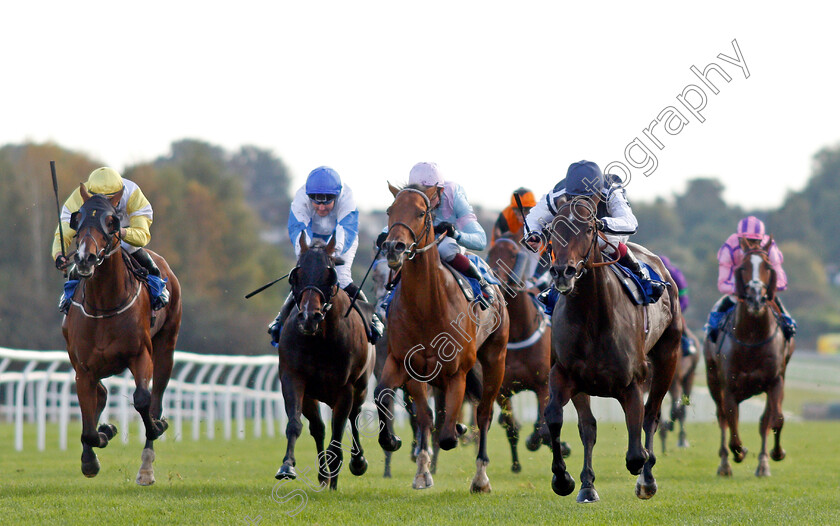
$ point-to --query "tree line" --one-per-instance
(220, 221)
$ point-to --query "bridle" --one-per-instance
(756, 282)
(112, 246)
(327, 292)
(583, 265)
(427, 225)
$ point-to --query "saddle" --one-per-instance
(640, 293)
(469, 286)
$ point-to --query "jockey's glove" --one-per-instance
(449, 228)
(381, 239)
(600, 224)
(60, 262)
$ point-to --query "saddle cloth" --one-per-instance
(640, 293)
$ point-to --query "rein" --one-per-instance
(119, 309)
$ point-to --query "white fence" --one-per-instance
(240, 392)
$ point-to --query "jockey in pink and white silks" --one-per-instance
(750, 233)
(324, 208)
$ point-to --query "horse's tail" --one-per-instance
(475, 386)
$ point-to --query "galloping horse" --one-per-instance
(108, 330)
(680, 391)
(324, 356)
(435, 336)
(529, 347)
(750, 358)
(604, 345)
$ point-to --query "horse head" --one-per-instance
(314, 282)
(97, 227)
(574, 238)
(412, 211)
(508, 261)
(760, 288)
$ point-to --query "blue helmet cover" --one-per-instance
(584, 178)
(323, 180)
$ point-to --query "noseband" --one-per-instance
(327, 293)
(583, 265)
(427, 224)
(90, 221)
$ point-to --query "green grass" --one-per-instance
(218, 482)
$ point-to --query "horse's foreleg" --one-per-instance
(511, 427)
(423, 477)
(293, 400)
(141, 369)
(91, 403)
(631, 403)
(772, 417)
(335, 452)
(562, 482)
(393, 376)
(540, 435)
(493, 372)
(317, 429)
(452, 401)
(730, 409)
(358, 462)
(588, 429)
(163, 361)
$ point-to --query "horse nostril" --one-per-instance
(569, 271)
(301, 316)
(399, 247)
(318, 317)
(553, 271)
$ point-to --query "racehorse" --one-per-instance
(435, 336)
(324, 356)
(529, 346)
(680, 391)
(750, 358)
(109, 329)
(604, 345)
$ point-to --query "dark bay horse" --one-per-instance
(680, 391)
(324, 356)
(528, 358)
(604, 345)
(435, 336)
(107, 330)
(750, 358)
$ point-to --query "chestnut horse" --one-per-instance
(681, 391)
(605, 345)
(750, 358)
(108, 330)
(324, 356)
(435, 336)
(529, 347)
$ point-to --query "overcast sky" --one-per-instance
(500, 95)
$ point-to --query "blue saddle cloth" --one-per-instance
(640, 293)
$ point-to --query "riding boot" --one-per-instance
(486, 287)
(656, 287)
(377, 328)
(276, 326)
(717, 317)
(157, 286)
(66, 298)
(788, 323)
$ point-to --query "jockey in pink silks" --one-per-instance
(750, 234)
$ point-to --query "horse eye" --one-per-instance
(388, 211)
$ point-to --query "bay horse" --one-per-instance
(680, 391)
(435, 337)
(109, 329)
(528, 358)
(750, 358)
(324, 356)
(605, 345)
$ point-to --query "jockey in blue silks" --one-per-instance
(615, 219)
(324, 208)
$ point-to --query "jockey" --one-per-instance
(511, 218)
(688, 347)
(615, 218)
(135, 214)
(324, 208)
(750, 235)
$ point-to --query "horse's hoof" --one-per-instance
(565, 450)
(358, 465)
(109, 430)
(645, 491)
(475, 487)
(739, 455)
(386, 475)
(91, 468)
(460, 429)
(448, 443)
(683, 443)
(533, 442)
(516, 467)
(423, 481)
(724, 471)
(587, 496)
(286, 471)
(391, 443)
(161, 425)
(146, 474)
(778, 455)
(564, 487)
(763, 470)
